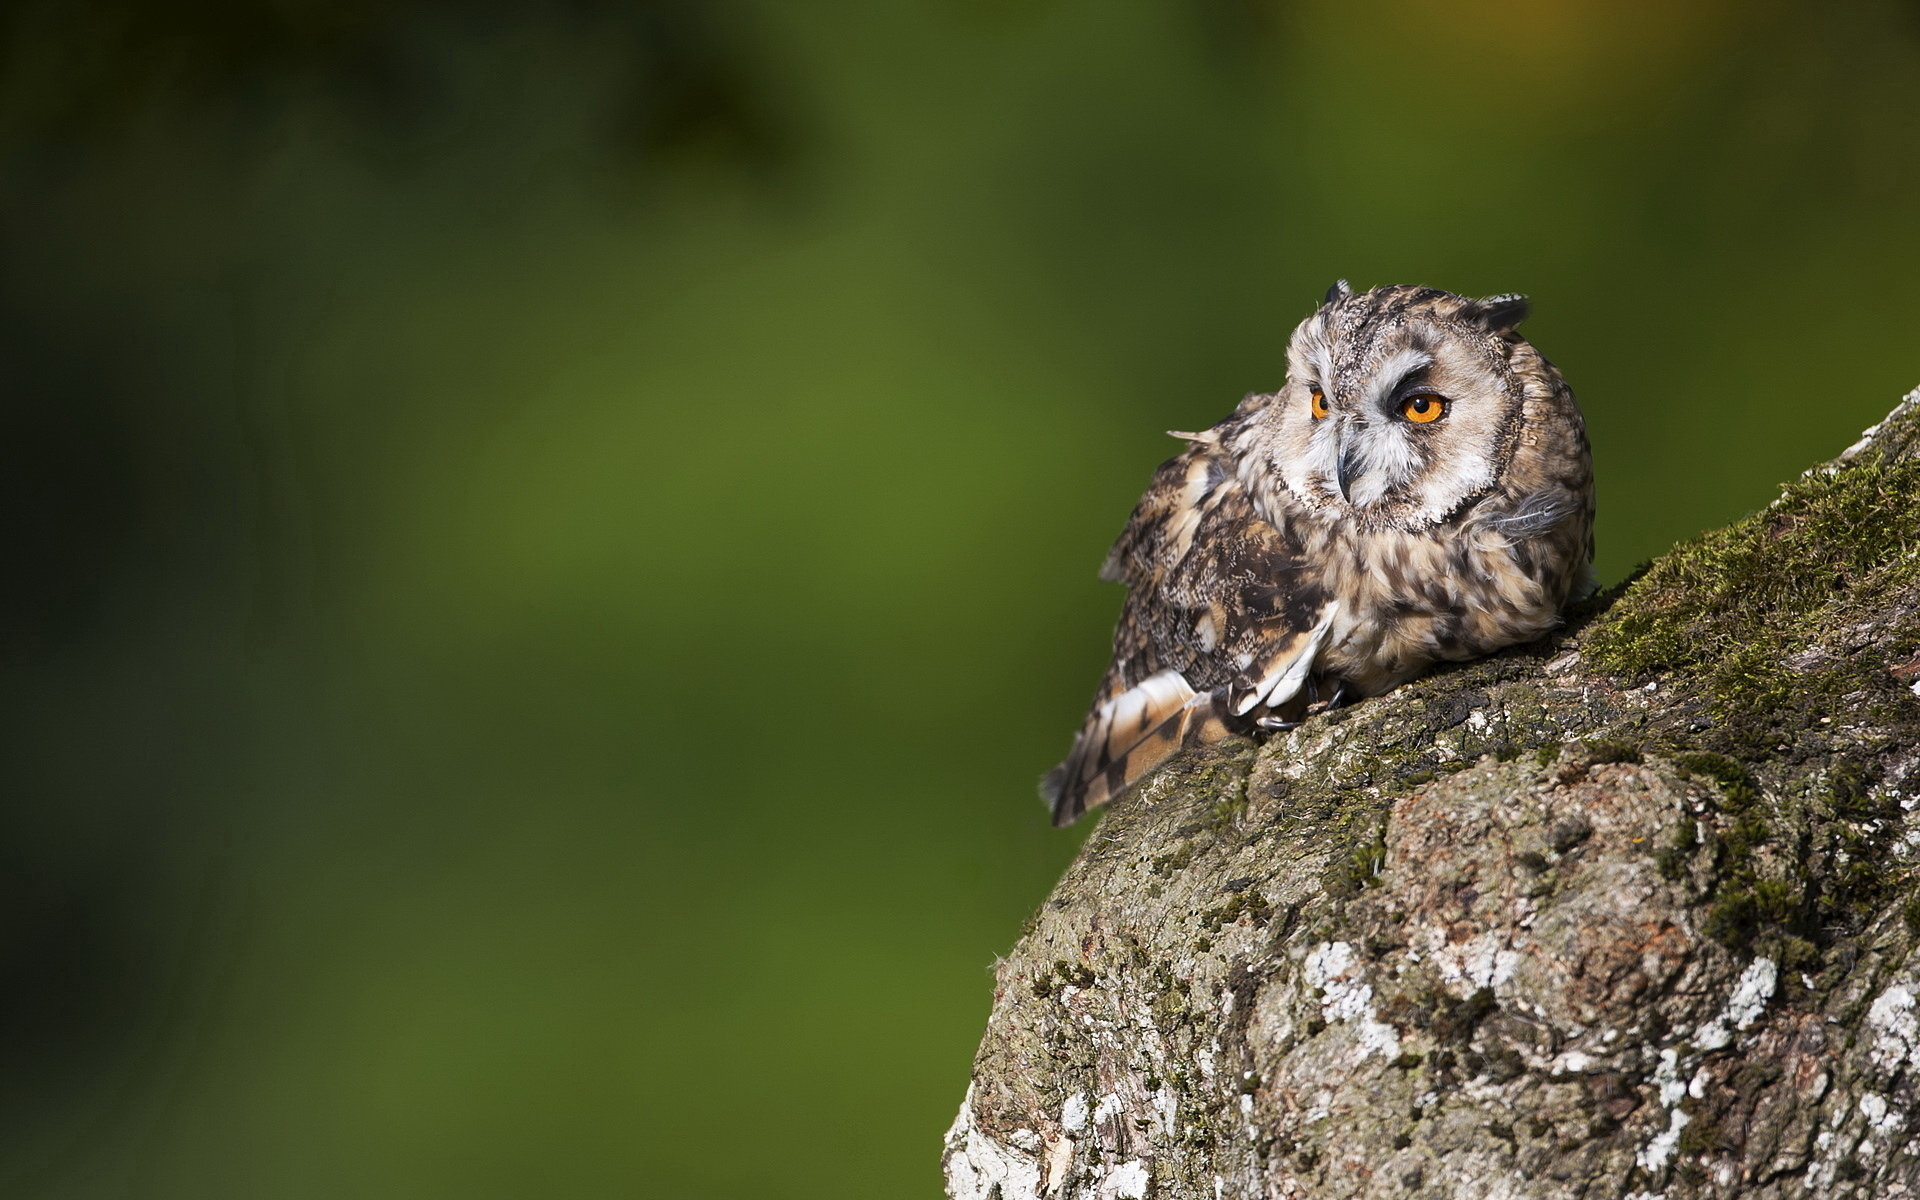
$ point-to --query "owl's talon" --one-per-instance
(1276, 724)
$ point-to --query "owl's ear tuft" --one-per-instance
(1340, 290)
(1499, 313)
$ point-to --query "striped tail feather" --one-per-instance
(1128, 736)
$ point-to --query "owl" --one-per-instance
(1420, 490)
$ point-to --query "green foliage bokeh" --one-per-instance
(553, 541)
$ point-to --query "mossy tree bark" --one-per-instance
(1627, 913)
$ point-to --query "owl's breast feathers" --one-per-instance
(1223, 618)
(1230, 613)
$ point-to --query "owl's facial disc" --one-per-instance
(1381, 450)
(1402, 421)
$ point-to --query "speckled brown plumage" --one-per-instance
(1305, 548)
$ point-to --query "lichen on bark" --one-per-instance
(1629, 912)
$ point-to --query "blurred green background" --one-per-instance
(549, 542)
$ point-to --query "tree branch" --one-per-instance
(1630, 911)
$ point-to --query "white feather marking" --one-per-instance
(1291, 673)
(1124, 710)
(1206, 632)
(1389, 371)
(1166, 687)
(1148, 702)
(1533, 516)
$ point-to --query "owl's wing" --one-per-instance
(1224, 616)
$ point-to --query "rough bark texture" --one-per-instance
(1627, 913)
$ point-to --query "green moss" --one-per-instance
(1171, 1004)
(1911, 915)
(1794, 954)
(1777, 900)
(1736, 786)
(1168, 864)
(1366, 860)
(1227, 811)
(1062, 974)
(1749, 829)
(1218, 772)
(1729, 609)
(1673, 857)
(1247, 903)
(1831, 535)
(1846, 795)
(1734, 919)
(1609, 750)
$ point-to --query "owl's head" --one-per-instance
(1404, 405)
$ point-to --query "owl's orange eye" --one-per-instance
(1320, 409)
(1423, 408)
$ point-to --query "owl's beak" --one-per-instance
(1349, 462)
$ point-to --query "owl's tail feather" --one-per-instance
(1129, 735)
